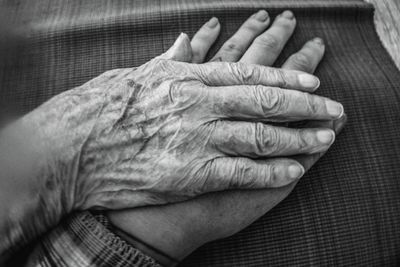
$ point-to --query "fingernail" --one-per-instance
(295, 171)
(261, 15)
(334, 108)
(325, 136)
(180, 38)
(309, 81)
(339, 123)
(213, 22)
(288, 14)
(318, 41)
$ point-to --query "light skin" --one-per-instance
(178, 229)
(156, 134)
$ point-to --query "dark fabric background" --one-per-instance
(345, 211)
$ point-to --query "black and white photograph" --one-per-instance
(199, 133)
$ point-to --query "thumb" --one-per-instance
(181, 50)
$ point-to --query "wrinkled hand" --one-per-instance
(178, 229)
(168, 130)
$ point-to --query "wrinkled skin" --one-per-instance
(159, 138)
(178, 229)
(167, 131)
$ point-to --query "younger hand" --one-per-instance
(178, 229)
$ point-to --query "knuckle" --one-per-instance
(260, 138)
(184, 93)
(176, 92)
(312, 105)
(301, 140)
(280, 77)
(268, 174)
(246, 74)
(267, 139)
(159, 65)
(198, 54)
(270, 100)
(273, 138)
(248, 175)
(242, 174)
(268, 41)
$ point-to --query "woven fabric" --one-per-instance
(86, 240)
(346, 210)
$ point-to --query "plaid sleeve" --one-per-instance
(84, 240)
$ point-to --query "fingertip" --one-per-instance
(334, 109)
(340, 123)
(288, 14)
(262, 15)
(318, 40)
(180, 50)
(318, 84)
(212, 23)
(295, 171)
(316, 45)
(285, 172)
(286, 20)
(204, 38)
(309, 81)
(183, 41)
(183, 37)
(326, 137)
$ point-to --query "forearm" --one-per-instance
(29, 199)
(39, 158)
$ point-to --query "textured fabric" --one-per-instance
(85, 240)
(346, 210)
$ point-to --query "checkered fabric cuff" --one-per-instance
(85, 239)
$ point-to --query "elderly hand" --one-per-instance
(167, 131)
(178, 229)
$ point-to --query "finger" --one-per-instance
(308, 58)
(203, 39)
(337, 125)
(244, 173)
(256, 140)
(238, 73)
(266, 47)
(263, 103)
(180, 50)
(235, 47)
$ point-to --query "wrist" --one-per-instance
(156, 235)
(159, 256)
(61, 127)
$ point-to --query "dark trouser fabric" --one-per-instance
(345, 211)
